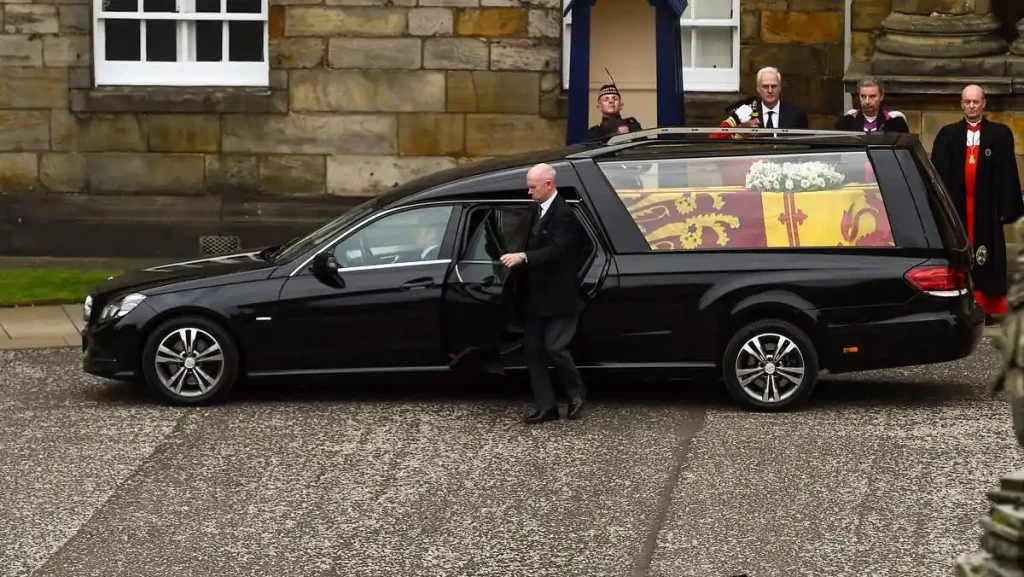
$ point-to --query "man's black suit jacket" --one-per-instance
(553, 250)
(792, 116)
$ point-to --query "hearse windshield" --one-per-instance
(299, 246)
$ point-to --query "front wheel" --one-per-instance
(770, 365)
(190, 360)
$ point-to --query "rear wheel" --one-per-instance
(770, 365)
(190, 360)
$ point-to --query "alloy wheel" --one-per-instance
(770, 368)
(189, 362)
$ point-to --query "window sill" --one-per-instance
(209, 100)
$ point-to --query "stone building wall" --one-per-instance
(926, 51)
(804, 40)
(361, 97)
(866, 24)
(364, 95)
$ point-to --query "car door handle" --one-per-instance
(418, 284)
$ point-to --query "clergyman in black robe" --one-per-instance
(975, 158)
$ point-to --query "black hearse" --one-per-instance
(761, 259)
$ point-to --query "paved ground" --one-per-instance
(40, 327)
(885, 474)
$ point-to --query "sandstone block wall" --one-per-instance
(804, 40)
(866, 23)
(364, 94)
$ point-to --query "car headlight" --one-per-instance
(121, 306)
(87, 308)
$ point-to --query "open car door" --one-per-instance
(481, 317)
(478, 315)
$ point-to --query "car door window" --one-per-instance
(494, 232)
(405, 237)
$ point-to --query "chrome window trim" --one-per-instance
(369, 219)
(395, 265)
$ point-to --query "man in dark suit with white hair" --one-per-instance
(774, 112)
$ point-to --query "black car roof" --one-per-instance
(656, 141)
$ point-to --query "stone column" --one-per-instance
(940, 37)
(1015, 65)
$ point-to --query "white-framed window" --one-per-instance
(711, 46)
(181, 42)
(710, 43)
(566, 43)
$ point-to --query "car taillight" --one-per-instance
(939, 281)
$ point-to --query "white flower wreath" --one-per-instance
(767, 176)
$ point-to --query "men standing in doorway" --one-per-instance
(775, 113)
(551, 296)
(975, 159)
(872, 117)
(609, 102)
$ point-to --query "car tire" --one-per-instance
(749, 372)
(190, 360)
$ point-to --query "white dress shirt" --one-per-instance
(974, 136)
(544, 206)
(775, 114)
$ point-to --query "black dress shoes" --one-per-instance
(539, 417)
(575, 410)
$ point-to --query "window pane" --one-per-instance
(496, 232)
(245, 41)
(121, 5)
(123, 40)
(713, 9)
(410, 236)
(248, 6)
(207, 5)
(687, 35)
(161, 41)
(159, 5)
(714, 47)
(209, 44)
(688, 13)
(772, 201)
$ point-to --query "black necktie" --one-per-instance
(770, 123)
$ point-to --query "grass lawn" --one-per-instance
(48, 287)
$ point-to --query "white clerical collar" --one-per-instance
(974, 136)
(544, 206)
(871, 118)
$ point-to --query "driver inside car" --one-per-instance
(428, 239)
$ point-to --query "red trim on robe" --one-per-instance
(992, 305)
(970, 178)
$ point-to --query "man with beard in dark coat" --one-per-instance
(975, 158)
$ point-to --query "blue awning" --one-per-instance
(677, 6)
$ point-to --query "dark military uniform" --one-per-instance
(609, 125)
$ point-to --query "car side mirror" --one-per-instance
(325, 267)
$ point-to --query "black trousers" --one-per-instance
(547, 340)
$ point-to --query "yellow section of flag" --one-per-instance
(826, 218)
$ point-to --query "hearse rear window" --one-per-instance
(805, 200)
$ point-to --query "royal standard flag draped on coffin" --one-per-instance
(737, 217)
